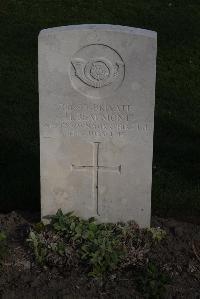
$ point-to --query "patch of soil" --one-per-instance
(178, 255)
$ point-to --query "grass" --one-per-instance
(176, 184)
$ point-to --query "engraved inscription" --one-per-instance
(96, 70)
(95, 168)
(97, 120)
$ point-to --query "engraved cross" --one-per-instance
(96, 168)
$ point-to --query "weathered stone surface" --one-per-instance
(96, 88)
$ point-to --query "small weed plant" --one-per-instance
(158, 234)
(98, 246)
(101, 248)
(38, 246)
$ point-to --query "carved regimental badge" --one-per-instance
(96, 70)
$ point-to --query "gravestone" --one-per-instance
(97, 94)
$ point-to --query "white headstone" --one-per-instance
(97, 94)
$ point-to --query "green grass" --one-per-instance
(176, 184)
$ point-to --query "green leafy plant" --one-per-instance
(158, 234)
(38, 246)
(69, 241)
(98, 246)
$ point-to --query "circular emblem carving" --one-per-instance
(96, 70)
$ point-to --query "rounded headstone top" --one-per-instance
(103, 27)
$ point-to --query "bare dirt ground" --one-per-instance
(178, 255)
